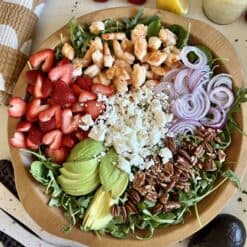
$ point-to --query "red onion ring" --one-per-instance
(171, 75)
(217, 120)
(167, 88)
(182, 81)
(221, 96)
(201, 61)
(199, 77)
(183, 127)
(220, 80)
(192, 106)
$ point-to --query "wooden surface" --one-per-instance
(35, 201)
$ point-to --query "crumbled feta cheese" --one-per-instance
(86, 122)
(134, 123)
(165, 154)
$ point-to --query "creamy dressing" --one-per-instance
(224, 11)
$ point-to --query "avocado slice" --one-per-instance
(79, 186)
(81, 167)
(85, 150)
(120, 186)
(111, 177)
(98, 214)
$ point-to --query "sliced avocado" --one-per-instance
(80, 167)
(111, 177)
(98, 214)
(79, 186)
(85, 150)
(108, 172)
(120, 186)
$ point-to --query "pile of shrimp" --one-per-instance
(130, 62)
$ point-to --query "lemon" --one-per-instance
(176, 6)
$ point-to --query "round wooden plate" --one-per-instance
(52, 220)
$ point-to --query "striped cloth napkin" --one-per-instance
(17, 21)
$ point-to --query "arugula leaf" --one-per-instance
(154, 28)
(80, 37)
(182, 35)
(240, 98)
(231, 175)
(137, 17)
(193, 57)
(112, 26)
(39, 172)
(149, 19)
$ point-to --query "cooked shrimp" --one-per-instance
(138, 75)
(96, 27)
(140, 48)
(68, 51)
(156, 58)
(154, 43)
(92, 70)
(167, 37)
(173, 60)
(108, 58)
(110, 73)
(140, 31)
(123, 64)
(152, 76)
(101, 78)
(127, 45)
(113, 36)
(160, 71)
(122, 74)
(98, 58)
(121, 85)
(96, 44)
(129, 58)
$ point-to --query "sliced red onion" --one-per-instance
(170, 76)
(183, 127)
(167, 88)
(220, 80)
(217, 118)
(192, 106)
(182, 81)
(201, 61)
(221, 96)
(199, 77)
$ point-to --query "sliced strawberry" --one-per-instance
(44, 57)
(53, 111)
(30, 89)
(77, 107)
(67, 122)
(42, 87)
(63, 61)
(68, 141)
(18, 140)
(57, 155)
(84, 82)
(62, 94)
(86, 96)
(17, 107)
(53, 139)
(32, 76)
(23, 126)
(34, 108)
(34, 138)
(81, 135)
(48, 125)
(62, 72)
(76, 89)
(94, 108)
(102, 89)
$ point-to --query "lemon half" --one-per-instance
(180, 7)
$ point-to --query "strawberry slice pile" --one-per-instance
(56, 103)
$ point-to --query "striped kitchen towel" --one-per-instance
(17, 21)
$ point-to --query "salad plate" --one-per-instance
(181, 211)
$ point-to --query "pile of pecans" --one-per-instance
(161, 182)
